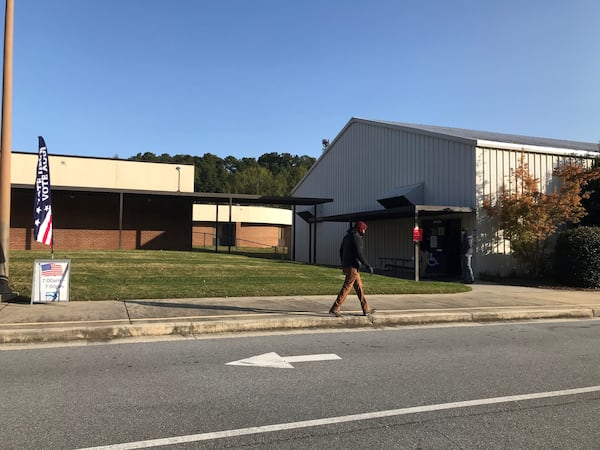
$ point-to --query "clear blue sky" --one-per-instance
(247, 77)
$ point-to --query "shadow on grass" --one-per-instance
(259, 253)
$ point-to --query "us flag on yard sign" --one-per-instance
(42, 211)
(51, 269)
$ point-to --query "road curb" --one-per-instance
(207, 327)
(531, 314)
(422, 318)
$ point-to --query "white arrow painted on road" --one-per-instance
(272, 359)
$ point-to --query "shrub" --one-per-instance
(577, 257)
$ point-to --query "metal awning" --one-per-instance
(196, 198)
(403, 196)
(390, 213)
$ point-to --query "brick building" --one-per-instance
(105, 203)
(118, 204)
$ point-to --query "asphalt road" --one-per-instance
(182, 394)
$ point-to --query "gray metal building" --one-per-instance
(395, 175)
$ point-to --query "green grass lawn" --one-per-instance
(140, 274)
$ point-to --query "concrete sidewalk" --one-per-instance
(103, 320)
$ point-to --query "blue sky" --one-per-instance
(246, 77)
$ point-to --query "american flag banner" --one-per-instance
(42, 211)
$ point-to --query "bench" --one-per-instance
(396, 264)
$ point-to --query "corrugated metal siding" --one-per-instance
(389, 239)
(494, 169)
(368, 161)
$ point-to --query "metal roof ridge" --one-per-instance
(493, 136)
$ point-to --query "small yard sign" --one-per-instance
(51, 280)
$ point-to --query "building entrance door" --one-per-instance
(441, 239)
(227, 235)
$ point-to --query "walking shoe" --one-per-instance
(369, 312)
(335, 313)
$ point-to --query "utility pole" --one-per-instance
(5, 151)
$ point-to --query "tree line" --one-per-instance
(271, 174)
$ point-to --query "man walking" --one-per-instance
(351, 256)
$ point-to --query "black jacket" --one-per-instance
(351, 254)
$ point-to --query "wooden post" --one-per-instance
(5, 151)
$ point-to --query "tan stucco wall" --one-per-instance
(72, 171)
(243, 214)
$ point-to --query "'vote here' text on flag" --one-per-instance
(42, 210)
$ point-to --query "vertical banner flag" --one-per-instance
(42, 211)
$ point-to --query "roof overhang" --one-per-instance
(559, 151)
(401, 212)
(197, 197)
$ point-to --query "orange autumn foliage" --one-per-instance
(528, 217)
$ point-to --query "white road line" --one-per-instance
(309, 358)
(340, 419)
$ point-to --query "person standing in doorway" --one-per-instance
(351, 256)
(467, 256)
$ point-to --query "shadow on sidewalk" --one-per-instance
(20, 299)
(217, 307)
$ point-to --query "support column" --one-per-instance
(417, 248)
(315, 237)
(217, 229)
(230, 234)
(293, 233)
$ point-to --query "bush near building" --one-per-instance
(577, 257)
